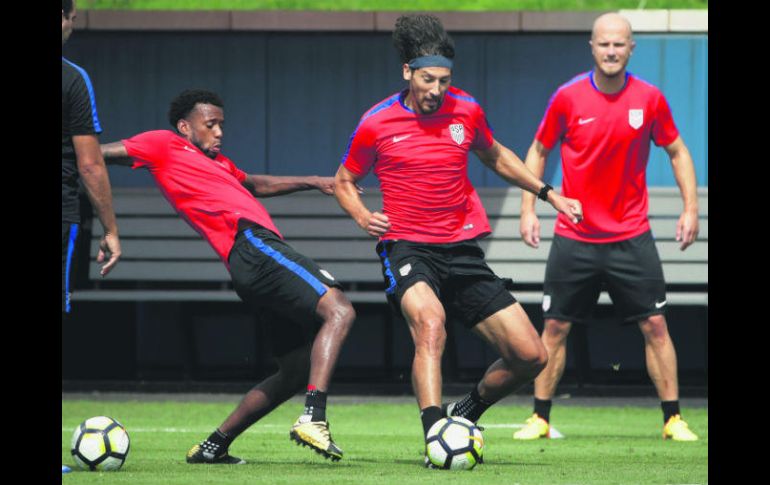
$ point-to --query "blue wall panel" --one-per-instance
(293, 100)
(678, 65)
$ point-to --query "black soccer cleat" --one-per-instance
(198, 454)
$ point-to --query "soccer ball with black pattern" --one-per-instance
(454, 443)
(100, 443)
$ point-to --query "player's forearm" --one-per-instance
(346, 193)
(535, 163)
(97, 184)
(271, 186)
(512, 169)
(115, 154)
(684, 173)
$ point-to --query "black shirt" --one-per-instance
(78, 117)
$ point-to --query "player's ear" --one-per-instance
(183, 127)
(407, 72)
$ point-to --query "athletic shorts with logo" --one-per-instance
(282, 285)
(629, 270)
(457, 272)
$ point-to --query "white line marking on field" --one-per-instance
(181, 430)
(555, 434)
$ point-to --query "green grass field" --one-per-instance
(383, 445)
(478, 5)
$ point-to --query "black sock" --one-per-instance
(315, 404)
(471, 407)
(429, 417)
(670, 408)
(217, 443)
(543, 408)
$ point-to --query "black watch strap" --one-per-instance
(543, 194)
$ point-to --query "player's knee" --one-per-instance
(654, 328)
(529, 360)
(337, 309)
(556, 330)
(430, 335)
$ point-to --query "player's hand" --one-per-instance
(325, 185)
(572, 208)
(109, 250)
(377, 224)
(529, 227)
(687, 229)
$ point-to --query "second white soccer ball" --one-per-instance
(100, 443)
(454, 443)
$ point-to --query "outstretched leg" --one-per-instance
(522, 357)
(292, 373)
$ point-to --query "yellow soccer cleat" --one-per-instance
(535, 427)
(315, 434)
(676, 429)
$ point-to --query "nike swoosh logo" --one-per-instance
(581, 121)
(661, 304)
(397, 139)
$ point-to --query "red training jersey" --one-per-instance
(421, 162)
(207, 193)
(605, 145)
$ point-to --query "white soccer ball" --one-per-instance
(454, 443)
(100, 443)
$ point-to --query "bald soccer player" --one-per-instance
(605, 120)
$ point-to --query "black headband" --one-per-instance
(430, 61)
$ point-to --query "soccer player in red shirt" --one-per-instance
(417, 141)
(605, 120)
(308, 313)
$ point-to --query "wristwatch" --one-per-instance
(543, 194)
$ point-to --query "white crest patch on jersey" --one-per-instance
(458, 133)
(546, 302)
(327, 274)
(635, 118)
(405, 269)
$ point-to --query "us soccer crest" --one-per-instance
(458, 133)
(635, 118)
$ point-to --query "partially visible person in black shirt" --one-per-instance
(81, 158)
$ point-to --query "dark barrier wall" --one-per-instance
(293, 99)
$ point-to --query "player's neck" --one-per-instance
(410, 103)
(609, 85)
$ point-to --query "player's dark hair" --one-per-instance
(183, 104)
(419, 35)
(66, 7)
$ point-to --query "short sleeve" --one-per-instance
(664, 131)
(484, 138)
(148, 149)
(361, 152)
(239, 174)
(554, 122)
(83, 117)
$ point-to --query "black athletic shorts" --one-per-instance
(69, 234)
(281, 284)
(456, 272)
(629, 270)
